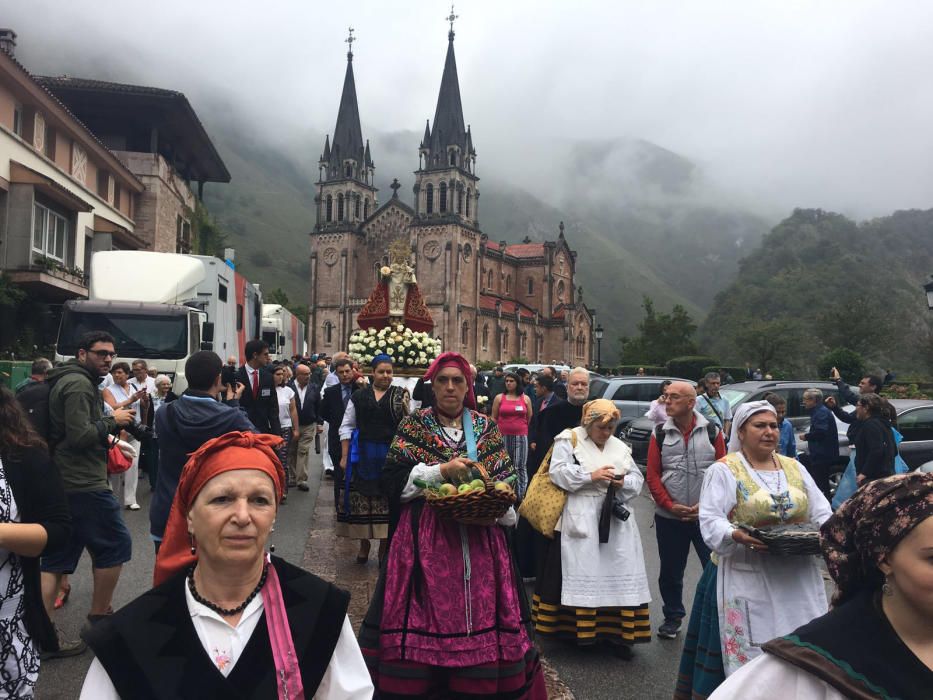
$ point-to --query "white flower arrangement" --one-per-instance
(407, 348)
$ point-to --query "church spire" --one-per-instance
(448, 129)
(346, 156)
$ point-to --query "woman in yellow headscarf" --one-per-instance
(593, 585)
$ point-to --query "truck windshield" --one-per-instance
(137, 335)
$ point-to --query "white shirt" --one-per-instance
(285, 396)
(301, 391)
(346, 678)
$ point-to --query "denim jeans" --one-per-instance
(674, 539)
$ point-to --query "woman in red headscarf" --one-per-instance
(225, 619)
(449, 616)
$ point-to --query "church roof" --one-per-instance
(508, 306)
(348, 135)
(449, 128)
(519, 250)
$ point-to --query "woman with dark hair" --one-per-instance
(877, 641)
(448, 617)
(120, 394)
(34, 519)
(875, 447)
(512, 412)
(372, 414)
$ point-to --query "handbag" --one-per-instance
(848, 484)
(544, 501)
(117, 462)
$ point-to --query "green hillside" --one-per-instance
(820, 281)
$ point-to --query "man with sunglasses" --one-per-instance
(79, 438)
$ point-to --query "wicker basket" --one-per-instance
(475, 507)
(788, 540)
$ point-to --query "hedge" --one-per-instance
(690, 366)
(632, 370)
(738, 373)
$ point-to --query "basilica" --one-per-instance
(489, 299)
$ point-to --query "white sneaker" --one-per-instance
(134, 506)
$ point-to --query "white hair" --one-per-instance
(579, 370)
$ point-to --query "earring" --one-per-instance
(887, 589)
(194, 549)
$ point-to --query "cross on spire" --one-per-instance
(349, 42)
(395, 187)
(451, 19)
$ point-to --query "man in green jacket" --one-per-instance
(79, 438)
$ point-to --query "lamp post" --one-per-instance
(599, 345)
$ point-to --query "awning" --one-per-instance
(23, 175)
(120, 233)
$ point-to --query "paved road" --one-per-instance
(301, 538)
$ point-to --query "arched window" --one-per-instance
(505, 341)
(522, 343)
(581, 345)
(349, 170)
(429, 199)
(366, 208)
(328, 333)
(531, 286)
(560, 290)
(485, 336)
(339, 207)
(330, 208)
(465, 334)
(443, 197)
(489, 280)
(356, 208)
(460, 201)
(508, 284)
(469, 200)
(453, 157)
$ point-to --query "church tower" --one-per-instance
(346, 195)
(445, 182)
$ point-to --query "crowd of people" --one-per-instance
(458, 603)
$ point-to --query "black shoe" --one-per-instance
(329, 473)
(303, 486)
(670, 629)
(623, 651)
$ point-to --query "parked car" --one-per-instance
(631, 395)
(915, 423)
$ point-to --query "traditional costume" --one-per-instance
(852, 651)
(589, 590)
(292, 640)
(362, 508)
(744, 597)
(448, 616)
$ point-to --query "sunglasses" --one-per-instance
(103, 354)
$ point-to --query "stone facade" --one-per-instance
(165, 209)
(490, 301)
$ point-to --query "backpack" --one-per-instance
(712, 430)
(34, 399)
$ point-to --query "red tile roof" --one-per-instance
(508, 306)
(519, 250)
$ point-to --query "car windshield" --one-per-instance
(733, 396)
(137, 335)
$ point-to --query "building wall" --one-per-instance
(167, 197)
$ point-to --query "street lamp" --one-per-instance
(928, 288)
(599, 342)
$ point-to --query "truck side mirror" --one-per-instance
(281, 342)
(207, 336)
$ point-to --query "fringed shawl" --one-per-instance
(419, 439)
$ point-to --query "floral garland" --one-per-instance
(406, 347)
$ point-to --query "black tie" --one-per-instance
(346, 396)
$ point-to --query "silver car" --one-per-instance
(631, 395)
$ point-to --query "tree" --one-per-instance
(860, 321)
(278, 296)
(661, 336)
(850, 364)
(770, 342)
(209, 238)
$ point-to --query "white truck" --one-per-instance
(162, 308)
(284, 332)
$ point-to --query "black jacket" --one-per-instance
(263, 410)
(309, 410)
(332, 409)
(546, 424)
(875, 449)
(40, 498)
(151, 650)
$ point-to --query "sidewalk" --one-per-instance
(334, 559)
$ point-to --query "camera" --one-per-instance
(620, 511)
(138, 431)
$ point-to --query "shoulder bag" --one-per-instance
(544, 501)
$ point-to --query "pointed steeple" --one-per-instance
(426, 140)
(326, 156)
(449, 129)
(348, 136)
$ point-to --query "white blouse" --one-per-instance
(346, 678)
(760, 679)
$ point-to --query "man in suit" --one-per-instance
(332, 407)
(308, 403)
(538, 442)
(259, 400)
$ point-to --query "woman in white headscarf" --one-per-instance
(747, 596)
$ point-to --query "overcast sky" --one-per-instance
(784, 103)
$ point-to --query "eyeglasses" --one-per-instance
(103, 354)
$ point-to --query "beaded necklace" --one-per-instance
(226, 612)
